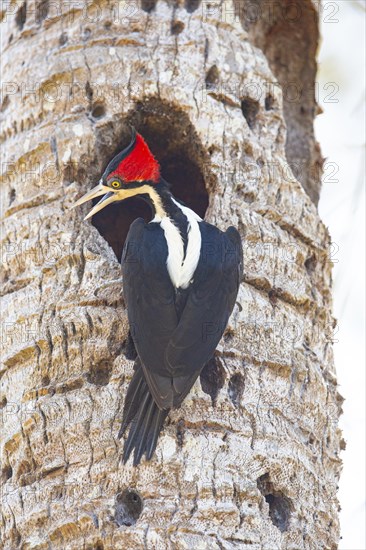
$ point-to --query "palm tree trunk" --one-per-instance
(251, 460)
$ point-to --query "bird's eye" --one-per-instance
(115, 184)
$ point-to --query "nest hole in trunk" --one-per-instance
(183, 160)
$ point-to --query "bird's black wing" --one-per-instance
(210, 302)
(150, 299)
(175, 334)
(152, 313)
(174, 346)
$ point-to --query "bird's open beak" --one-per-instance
(97, 191)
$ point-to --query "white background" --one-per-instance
(341, 132)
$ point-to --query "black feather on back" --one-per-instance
(175, 331)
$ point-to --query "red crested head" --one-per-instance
(136, 163)
(131, 173)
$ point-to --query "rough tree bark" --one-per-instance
(251, 460)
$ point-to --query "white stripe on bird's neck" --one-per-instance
(181, 267)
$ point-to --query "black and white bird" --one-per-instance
(180, 281)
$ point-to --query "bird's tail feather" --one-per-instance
(145, 417)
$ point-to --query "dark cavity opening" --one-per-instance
(128, 348)
(45, 381)
(5, 103)
(6, 473)
(310, 263)
(177, 27)
(100, 373)
(12, 195)
(21, 16)
(280, 506)
(148, 5)
(191, 5)
(42, 9)
(250, 109)
(3, 402)
(236, 388)
(212, 77)
(212, 378)
(86, 34)
(98, 111)
(128, 507)
(63, 38)
(183, 160)
(88, 90)
(180, 430)
(269, 103)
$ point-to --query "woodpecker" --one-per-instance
(180, 281)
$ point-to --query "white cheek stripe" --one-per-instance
(181, 269)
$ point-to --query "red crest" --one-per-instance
(139, 165)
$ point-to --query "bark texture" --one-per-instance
(251, 460)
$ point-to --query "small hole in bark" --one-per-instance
(177, 27)
(6, 473)
(98, 111)
(128, 507)
(10, 39)
(273, 298)
(99, 546)
(100, 373)
(107, 24)
(180, 432)
(148, 5)
(5, 103)
(88, 90)
(269, 102)
(236, 388)
(191, 5)
(212, 77)
(279, 511)
(128, 348)
(212, 378)
(12, 196)
(45, 380)
(250, 109)
(86, 33)
(21, 16)
(42, 9)
(63, 38)
(228, 335)
(280, 506)
(310, 263)
(3, 402)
